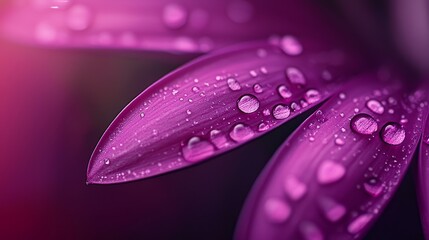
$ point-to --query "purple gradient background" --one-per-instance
(55, 105)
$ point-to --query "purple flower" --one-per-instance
(333, 176)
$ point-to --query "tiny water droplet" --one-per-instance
(281, 111)
(233, 84)
(392, 133)
(142, 115)
(291, 46)
(339, 141)
(284, 91)
(257, 88)
(175, 16)
(261, 53)
(195, 89)
(197, 149)
(330, 172)
(312, 96)
(277, 210)
(262, 127)
(240, 11)
(295, 76)
(364, 124)
(106, 161)
(241, 132)
(294, 188)
(248, 103)
(218, 139)
(188, 112)
(359, 223)
(375, 106)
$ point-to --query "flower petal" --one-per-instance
(423, 183)
(184, 26)
(212, 105)
(334, 175)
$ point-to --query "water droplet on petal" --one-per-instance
(330, 172)
(142, 115)
(332, 210)
(106, 161)
(277, 210)
(195, 89)
(364, 124)
(312, 96)
(262, 127)
(310, 231)
(359, 223)
(375, 106)
(291, 45)
(266, 112)
(373, 188)
(241, 132)
(281, 111)
(54, 4)
(257, 88)
(78, 18)
(197, 149)
(284, 91)
(218, 139)
(295, 76)
(175, 16)
(248, 103)
(392, 133)
(233, 84)
(294, 188)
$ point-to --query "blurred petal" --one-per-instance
(214, 104)
(335, 174)
(423, 183)
(184, 26)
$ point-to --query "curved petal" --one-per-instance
(215, 104)
(334, 175)
(423, 183)
(183, 26)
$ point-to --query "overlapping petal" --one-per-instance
(335, 174)
(182, 26)
(215, 104)
(423, 183)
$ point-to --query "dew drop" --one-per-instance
(332, 210)
(312, 96)
(197, 149)
(375, 106)
(266, 112)
(330, 172)
(218, 139)
(284, 91)
(240, 11)
(373, 188)
(233, 84)
(106, 161)
(295, 76)
(392, 133)
(281, 111)
(359, 223)
(142, 115)
(248, 103)
(339, 141)
(257, 88)
(262, 127)
(241, 132)
(54, 4)
(291, 46)
(294, 188)
(310, 231)
(195, 89)
(78, 17)
(364, 124)
(175, 16)
(277, 210)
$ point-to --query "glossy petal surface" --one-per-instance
(336, 173)
(212, 105)
(423, 183)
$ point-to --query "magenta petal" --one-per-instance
(423, 183)
(212, 105)
(184, 26)
(335, 174)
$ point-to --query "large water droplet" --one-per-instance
(291, 45)
(197, 149)
(175, 16)
(295, 76)
(392, 133)
(312, 96)
(241, 132)
(310, 231)
(330, 172)
(359, 223)
(364, 124)
(233, 84)
(294, 188)
(277, 210)
(281, 111)
(375, 106)
(284, 91)
(332, 210)
(78, 17)
(248, 103)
